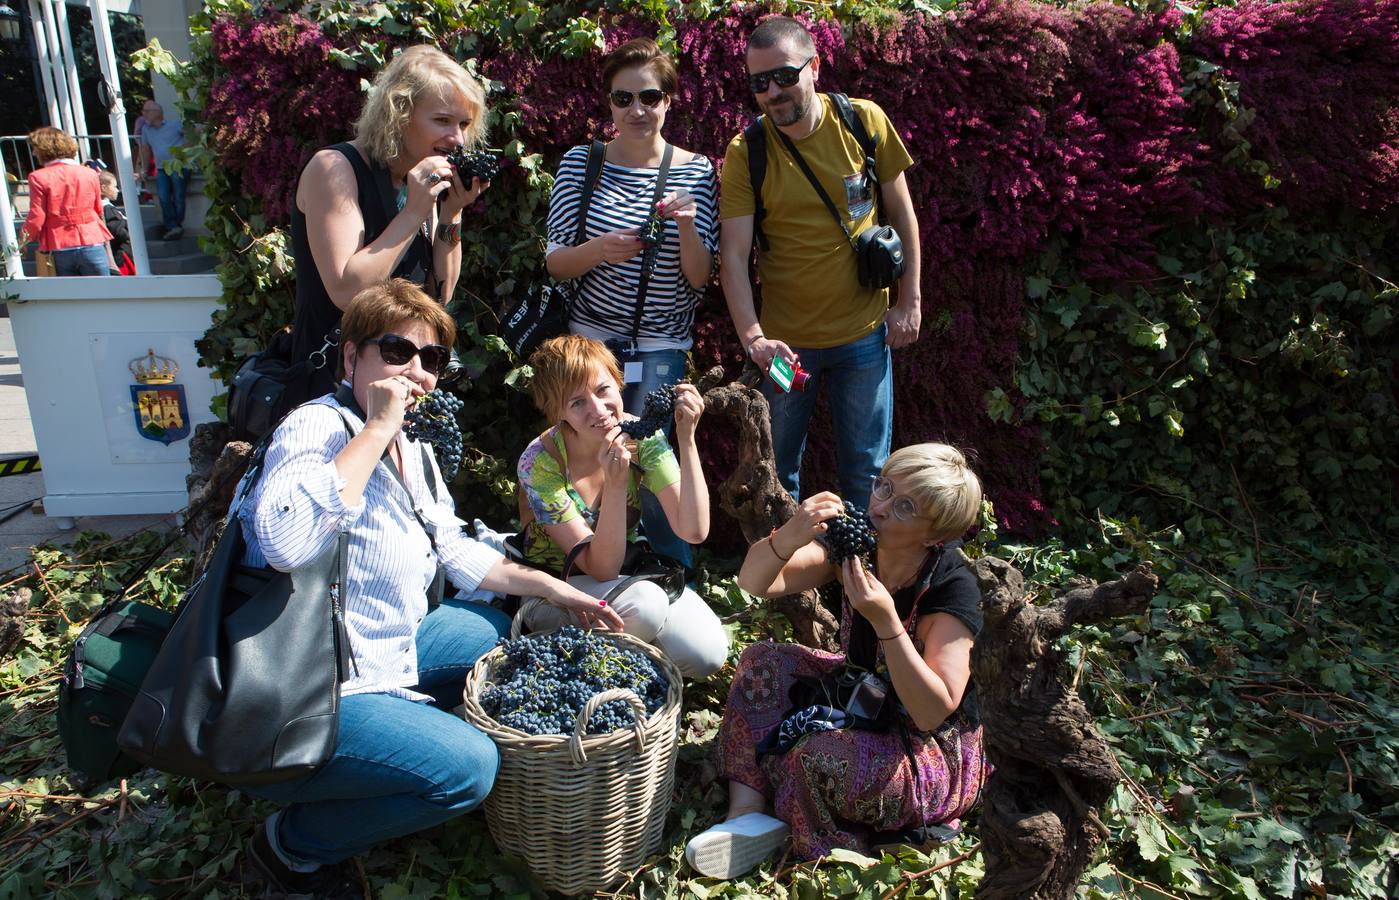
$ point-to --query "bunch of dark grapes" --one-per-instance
(660, 404)
(546, 679)
(469, 164)
(434, 419)
(849, 534)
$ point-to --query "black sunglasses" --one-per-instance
(397, 350)
(785, 76)
(648, 97)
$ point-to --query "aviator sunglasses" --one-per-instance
(649, 97)
(397, 350)
(785, 76)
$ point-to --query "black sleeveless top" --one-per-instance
(943, 584)
(316, 315)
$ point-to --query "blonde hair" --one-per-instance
(50, 144)
(415, 73)
(107, 179)
(563, 363)
(937, 478)
(379, 307)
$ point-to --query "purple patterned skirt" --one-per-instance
(839, 788)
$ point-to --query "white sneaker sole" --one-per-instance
(727, 855)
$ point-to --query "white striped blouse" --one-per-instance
(295, 511)
(607, 294)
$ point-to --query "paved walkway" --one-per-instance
(28, 528)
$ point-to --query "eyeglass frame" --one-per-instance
(772, 75)
(442, 349)
(876, 481)
(635, 97)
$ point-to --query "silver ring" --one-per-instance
(434, 178)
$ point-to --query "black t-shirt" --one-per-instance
(944, 584)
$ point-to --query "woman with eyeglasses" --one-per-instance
(897, 753)
(387, 204)
(402, 762)
(649, 334)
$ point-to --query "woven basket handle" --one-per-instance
(575, 744)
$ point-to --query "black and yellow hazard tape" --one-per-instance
(19, 465)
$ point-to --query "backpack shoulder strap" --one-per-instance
(856, 126)
(597, 152)
(755, 139)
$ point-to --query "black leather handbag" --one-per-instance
(271, 384)
(246, 687)
(540, 312)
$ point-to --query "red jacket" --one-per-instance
(65, 207)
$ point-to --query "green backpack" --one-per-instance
(101, 679)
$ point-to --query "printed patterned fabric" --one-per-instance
(801, 723)
(839, 788)
(554, 501)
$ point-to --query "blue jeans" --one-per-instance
(659, 368)
(87, 260)
(171, 190)
(399, 766)
(859, 381)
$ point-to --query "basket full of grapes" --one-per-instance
(586, 723)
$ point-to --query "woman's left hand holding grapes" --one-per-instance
(689, 406)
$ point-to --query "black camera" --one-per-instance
(482, 164)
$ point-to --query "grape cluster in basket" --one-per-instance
(849, 534)
(434, 419)
(546, 679)
(660, 404)
(469, 164)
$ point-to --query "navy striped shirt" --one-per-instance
(622, 199)
(295, 511)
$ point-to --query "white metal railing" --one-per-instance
(18, 158)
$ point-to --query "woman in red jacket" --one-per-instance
(65, 207)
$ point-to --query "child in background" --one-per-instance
(119, 247)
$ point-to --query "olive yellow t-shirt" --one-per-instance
(811, 295)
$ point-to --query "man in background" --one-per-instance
(159, 136)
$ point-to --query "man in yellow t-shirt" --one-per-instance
(814, 309)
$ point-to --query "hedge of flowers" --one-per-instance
(1111, 200)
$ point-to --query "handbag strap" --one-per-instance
(649, 258)
(346, 397)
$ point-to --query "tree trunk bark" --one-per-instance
(1052, 769)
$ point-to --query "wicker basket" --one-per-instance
(582, 810)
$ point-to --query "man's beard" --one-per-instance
(788, 114)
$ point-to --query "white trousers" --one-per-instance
(687, 630)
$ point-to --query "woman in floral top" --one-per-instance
(581, 481)
(831, 779)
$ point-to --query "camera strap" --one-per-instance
(653, 250)
(811, 177)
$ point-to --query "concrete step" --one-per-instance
(161, 249)
(183, 264)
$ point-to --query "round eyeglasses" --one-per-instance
(905, 510)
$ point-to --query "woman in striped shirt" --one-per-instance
(640, 82)
(342, 463)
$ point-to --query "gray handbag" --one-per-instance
(246, 687)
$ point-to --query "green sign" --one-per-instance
(781, 373)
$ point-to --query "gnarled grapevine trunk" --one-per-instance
(755, 498)
(1053, 771)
